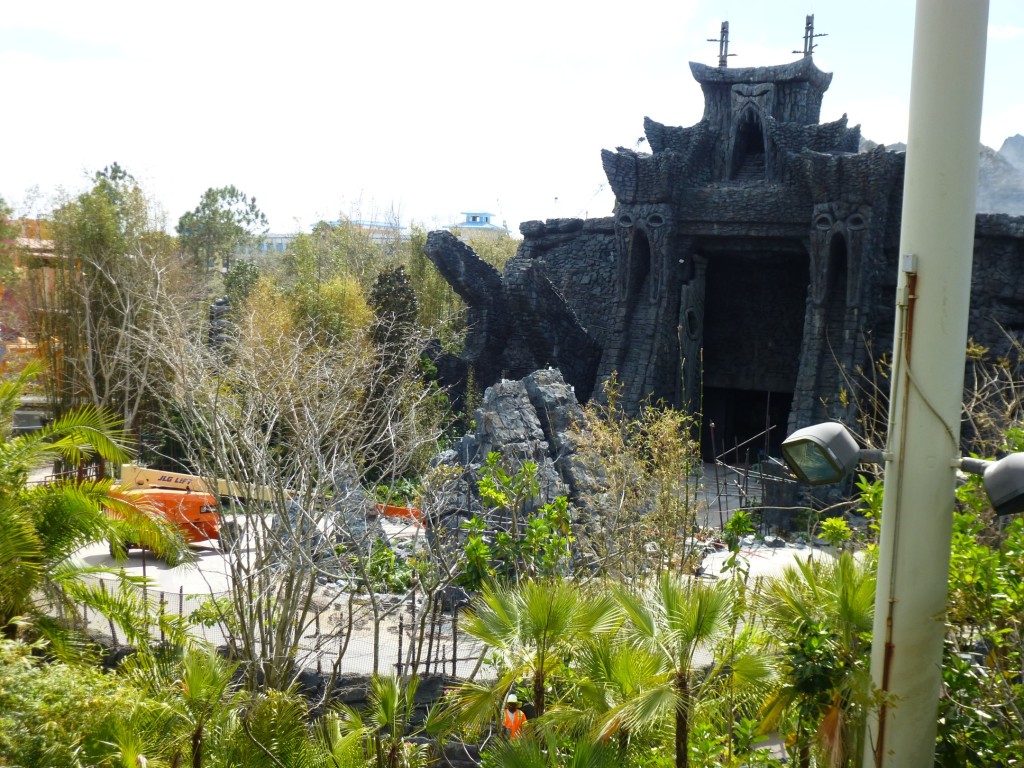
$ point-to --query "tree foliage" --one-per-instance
(225, 222)
(532, 627)
(981, 714)
(51, 711)
(9, 232)
(114, 269)
(334, 250)
(821, 612)
(643, 511)
(240, 281)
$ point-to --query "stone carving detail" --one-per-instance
(479, 285)
(642, 239)
(691, 332)
(651, 263)
(826, 137)
(759, 97)
(838, 235)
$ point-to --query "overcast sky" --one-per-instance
(424, 109)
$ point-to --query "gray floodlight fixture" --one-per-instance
(824, 453)
(1003, 481)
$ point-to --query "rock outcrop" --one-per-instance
(517, 322)
(529, 420)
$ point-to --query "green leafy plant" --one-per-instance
(49, 709)
(821, 611)
(739, 525)
(870, 492)
(536, 543)
(477, 555)
(836, 531)
(386, 571)
(402, 492)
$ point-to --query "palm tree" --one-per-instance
(385, 721)
(821, 613)
(183, 700)
(672, 620)
(44, 525)
(613, 674)
(574, 753)
(533, 628)
(533, 625)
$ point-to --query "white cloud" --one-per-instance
(1005, 32)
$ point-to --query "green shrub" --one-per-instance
(49, 710)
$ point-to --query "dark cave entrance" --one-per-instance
(747, 424)
(748, 149)
(835, 298)
(755, 302)
(639, 262)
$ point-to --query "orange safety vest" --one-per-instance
(514, 722)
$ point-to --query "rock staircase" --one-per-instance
(752, 169)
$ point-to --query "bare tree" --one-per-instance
(98, 300)
(301, 431)
(643, 507)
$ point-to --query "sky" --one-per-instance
(416, 110)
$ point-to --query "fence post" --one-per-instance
(163, 602)
(113, 630)
(455, 642)
(430, 636)
(413, 634)
(181, 599)
(401, 632)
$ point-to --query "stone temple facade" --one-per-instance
(748, 271)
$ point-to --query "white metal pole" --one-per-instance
(933, 297)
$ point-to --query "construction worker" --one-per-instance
(513, 718)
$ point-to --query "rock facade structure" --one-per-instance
(748, 270)
(526, 420)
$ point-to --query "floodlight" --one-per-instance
(1004, 484)
(822, 453)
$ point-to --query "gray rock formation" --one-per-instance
(1001, 178)
(525, 420)
(1013, 151)
(544, 332)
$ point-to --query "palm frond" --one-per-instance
(86, 432)
(584, 754)
(775, 707)
(831, 740)
(474, 705)
(519, 753)
(647, 710)
(11, 391)
(21, 560)
(340, 749)
(640, 618)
